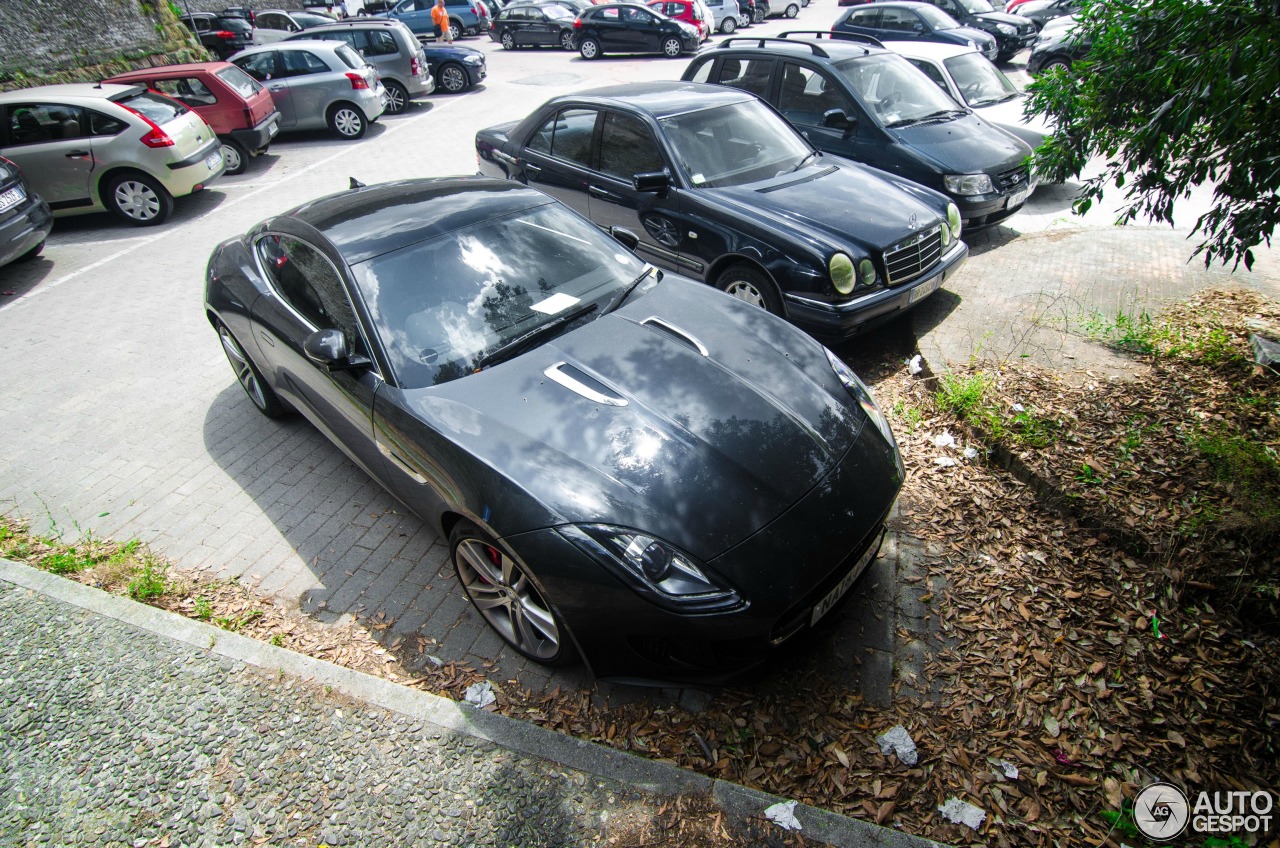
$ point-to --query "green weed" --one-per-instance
(66, 562)
(203, 609)
(908, 414)
(148, 582)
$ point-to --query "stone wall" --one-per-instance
(47, 41)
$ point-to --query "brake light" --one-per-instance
(155, 137)
(415, 67)
(225, 34)
(357, 82)
(577, 23)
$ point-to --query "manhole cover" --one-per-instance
(550, 79)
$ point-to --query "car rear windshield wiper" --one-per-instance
(621, 297)
(941, 113)
(519, 343)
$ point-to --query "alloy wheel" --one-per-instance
(507, 598)
(453, 79)
(243, 370)
(397, 98)
(671, 48)
(744, 291)
(508, 41)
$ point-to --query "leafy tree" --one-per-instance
(1174, 93)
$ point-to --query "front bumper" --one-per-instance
(783, 571)
(258, 137)
(837, 322)
(1008, 45)
(989, 209)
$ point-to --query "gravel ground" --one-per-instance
(113, 736)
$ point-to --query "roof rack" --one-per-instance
(834, 36)
(759, 42)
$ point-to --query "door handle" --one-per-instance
(276, 87)
(77, 154)
(596, 191)
(532, 170)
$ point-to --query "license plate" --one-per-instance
(824, 606)
(924, 289)
(214, 160)
(12, 197)
(1018, 198)
(272, 129)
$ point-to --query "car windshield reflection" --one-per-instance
(980, 82)
(897, 92)
(443, 305)
(733, 145)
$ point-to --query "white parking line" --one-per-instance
(169, 233)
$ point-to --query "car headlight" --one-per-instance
(967, 184)
(472, 60)
(867, 272)
(1005, 29)
(841, 269)
(862, 395)
(953, 219)
(946, 235)
(657, 570)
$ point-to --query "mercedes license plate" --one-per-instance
(12, 197)
(924, 289)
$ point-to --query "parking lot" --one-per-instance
(122, 418)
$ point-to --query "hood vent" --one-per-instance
(676, 333)
(581, 383)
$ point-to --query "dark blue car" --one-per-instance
(464, 17)
(914, 22)
(25, 219)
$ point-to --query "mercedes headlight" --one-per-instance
(968, 184)
(661, 572)
(867, 272)
(946, 235)
(953, 219)
(841, 269)
(861, 394)
(1005, 29)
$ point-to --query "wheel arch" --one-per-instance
(118, 170)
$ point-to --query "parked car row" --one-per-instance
(997, 34)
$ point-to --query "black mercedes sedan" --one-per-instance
(720, 187)
(631, 28)
(543, 25)
(629, 467)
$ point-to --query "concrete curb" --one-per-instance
(461, 718)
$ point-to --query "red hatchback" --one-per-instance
(684, 10)
(236, 105)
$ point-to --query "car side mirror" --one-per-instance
(629, 240)
(836, 119)
(329, 348)
(654, 182)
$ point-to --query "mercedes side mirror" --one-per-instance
(653, 182)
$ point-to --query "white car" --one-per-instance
(971, 79)
(272, 25)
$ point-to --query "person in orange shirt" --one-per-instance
(440, 17)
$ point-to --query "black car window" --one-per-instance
(735, 144)
(869, 18)
(610, 15)
(806, 94)
(381, 43)
(949, 7)
(748, 73)
(199, 24)
(627, 147)
(243, 84)
(188, 90)
(234, 24)
(894, 90)
(900, 20)
(309, 283)
(567, 136)
(104, 125)
(271, 20)
(353, 39)
(260, 66)
(34, 123)
(299, 63)
(440, 305)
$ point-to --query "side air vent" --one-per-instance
(676, 333)
(580, 383)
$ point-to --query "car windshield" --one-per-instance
(981, 82)
(976, 7)
(733, 145)
(441, 306)
(896, 91)
(936, 18)
(244, 85)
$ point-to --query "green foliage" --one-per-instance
(149, 581)
(203, 609)
(907, 413)
(1252, 469)
(967, 398)
(1131, 333)
(65, 562)
(963, 396)
(1174, 94)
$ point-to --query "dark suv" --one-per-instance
(222, 34)
(866, 103)
(1011, 32)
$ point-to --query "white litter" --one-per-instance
(1009, 770)
(1017, 407)
(481, 694)
(970, 453)
(916, 365)
(946, 440)
(961, 812)
(945, 461)
(897, 740)
(783, 814)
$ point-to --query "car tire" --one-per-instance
(589, 48)
(138, 199)
(792, 10)
(453, 78)
(1056, 63)
(508, 40)
(757, 16)
(508, 598)
(248, 375)
(235, 157)
(32, 253)
(751, 286)
(728, 25)
(455, 29)
(566, 40)
(397, 97)
(672, 48)
(347, 121)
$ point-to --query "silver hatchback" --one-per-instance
(120, 148)
(391, 47)
(317, 84)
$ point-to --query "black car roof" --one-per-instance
(372, 220)
(662, 99)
